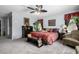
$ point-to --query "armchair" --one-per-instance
(71, 39)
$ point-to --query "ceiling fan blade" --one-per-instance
(32, 11)
(31, 8)
(43, 10)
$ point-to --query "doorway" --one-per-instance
(26, 21)
(6, 24)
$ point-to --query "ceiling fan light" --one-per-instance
(37, 13)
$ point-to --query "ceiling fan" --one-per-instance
(38, 9)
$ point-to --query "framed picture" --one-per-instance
(52, 22)
(26, 21)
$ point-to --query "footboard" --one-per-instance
(35, 40)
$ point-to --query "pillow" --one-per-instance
(50, 30)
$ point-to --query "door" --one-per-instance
(26, 22)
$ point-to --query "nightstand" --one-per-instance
(61, 35)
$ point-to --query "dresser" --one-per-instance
(26, 30)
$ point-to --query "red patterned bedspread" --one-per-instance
(48, 37)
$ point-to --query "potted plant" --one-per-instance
(76, 19)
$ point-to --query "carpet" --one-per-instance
(20, 46)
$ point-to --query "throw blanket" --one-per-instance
(48, 37)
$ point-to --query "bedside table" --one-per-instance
(61, 35)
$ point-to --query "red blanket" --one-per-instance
(48, 37)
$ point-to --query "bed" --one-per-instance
(44, 37)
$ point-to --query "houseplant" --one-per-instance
(76, 19)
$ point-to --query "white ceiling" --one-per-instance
(52, 9)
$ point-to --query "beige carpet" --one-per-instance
(20, 46)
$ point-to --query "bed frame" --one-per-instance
(36, 41)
